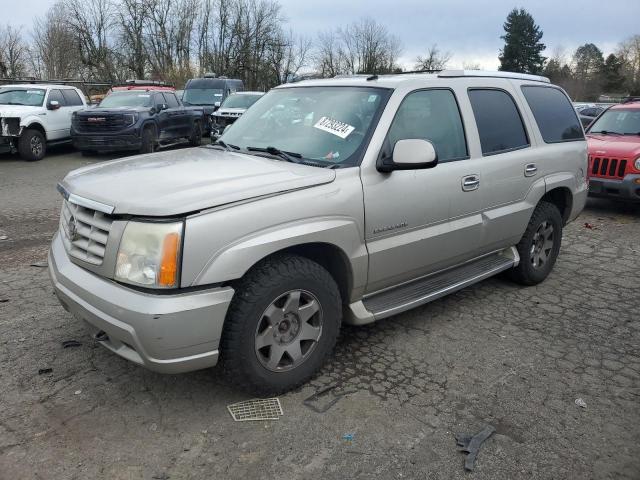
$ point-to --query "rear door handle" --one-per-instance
(470, 183)
(530, 170)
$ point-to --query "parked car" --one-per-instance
(35, 116)
(614, 153)
(139, 118)
(209, 92)
(231, 109)
(588, 115)
(330, 201)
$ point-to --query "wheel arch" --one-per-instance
(36, 126)
(562, 198)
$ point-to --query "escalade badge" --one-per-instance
(73, 229)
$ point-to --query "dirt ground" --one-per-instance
(493, 354)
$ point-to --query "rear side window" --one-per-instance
(57, 96)
(71, 97)
(556, 118)
(431, 115)
(499, 123)
(171, 100)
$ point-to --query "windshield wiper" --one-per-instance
(226, 146)
(606, 132)
(292, 157)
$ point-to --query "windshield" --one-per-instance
(625, 122)
(240, 101)
(323, 124)
(31, 97)
(129, 98)
(202, 96)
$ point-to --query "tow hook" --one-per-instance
(102, 336)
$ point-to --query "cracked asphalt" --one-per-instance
(493, 354)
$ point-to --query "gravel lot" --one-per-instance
(493, 354)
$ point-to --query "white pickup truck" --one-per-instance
(33, 116)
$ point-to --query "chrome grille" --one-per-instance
(84, 232)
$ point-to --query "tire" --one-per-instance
(539, 246)
(261, 314)
(32, 146)
(195, 139)
(148, 140)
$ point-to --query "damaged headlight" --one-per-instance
(149, 254)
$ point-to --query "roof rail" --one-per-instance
(485, 73)
(143, 83)
(630, 99)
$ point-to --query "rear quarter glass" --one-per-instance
(555, 117)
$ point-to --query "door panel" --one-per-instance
(420, 221)
(58, 121)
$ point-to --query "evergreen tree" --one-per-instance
(612, 78)
(522, 47)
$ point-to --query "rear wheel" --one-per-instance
(32, 145)
(281, 326)
(149, 140)
(539, 246)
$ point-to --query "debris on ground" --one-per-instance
(161, 476)
(3, 237)
(581, 403)
(258, 409)
(348, 437)
(42, 371)
(311, 402)
(471, 445)
(39, 264)
(77, 392)
(4, 300)
(590, 226)
(71, 343)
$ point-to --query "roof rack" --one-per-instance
(630, 99)
(143, 83)
(484, 73)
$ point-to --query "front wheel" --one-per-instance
(196, 135)
(539, 246)
(149, 140)
(32, 145)
(281, 326)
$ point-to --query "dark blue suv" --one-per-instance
(139, 118)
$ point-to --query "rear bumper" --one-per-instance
(164, 333)
(105, 142)
(626, 189)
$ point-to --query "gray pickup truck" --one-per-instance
(329, 201)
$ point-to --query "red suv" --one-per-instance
(614, 152)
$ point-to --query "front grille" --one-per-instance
(607, 167)
(99, 122)
(84, 232)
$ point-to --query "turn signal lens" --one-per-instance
(169, 265)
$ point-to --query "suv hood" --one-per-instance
(622, 146)
(183, 181)
(101, 111)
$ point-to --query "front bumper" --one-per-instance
(7, 144)
(106, 142)
(626, 189)
(165, 333)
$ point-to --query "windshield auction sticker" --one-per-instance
(335, 127)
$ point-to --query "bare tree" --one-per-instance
(629, 51)
(13, 52)
(53, 53)
(368, 47)
(435, 59)
(131, 24)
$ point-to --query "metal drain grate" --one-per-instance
(259, 409)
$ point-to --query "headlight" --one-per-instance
(149, 254)
(130, 118)
(637, 163)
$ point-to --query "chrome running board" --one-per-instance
(427, 289)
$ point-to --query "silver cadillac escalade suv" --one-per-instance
(329, 201)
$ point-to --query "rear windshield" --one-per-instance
(130, 98)
(31, 97)
(240, 101)
(623, 122)
(554, 114)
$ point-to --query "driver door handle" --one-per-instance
(470, 183)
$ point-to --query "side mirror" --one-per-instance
(53, 105)
(409, 154)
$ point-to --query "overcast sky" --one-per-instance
(469, 29)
